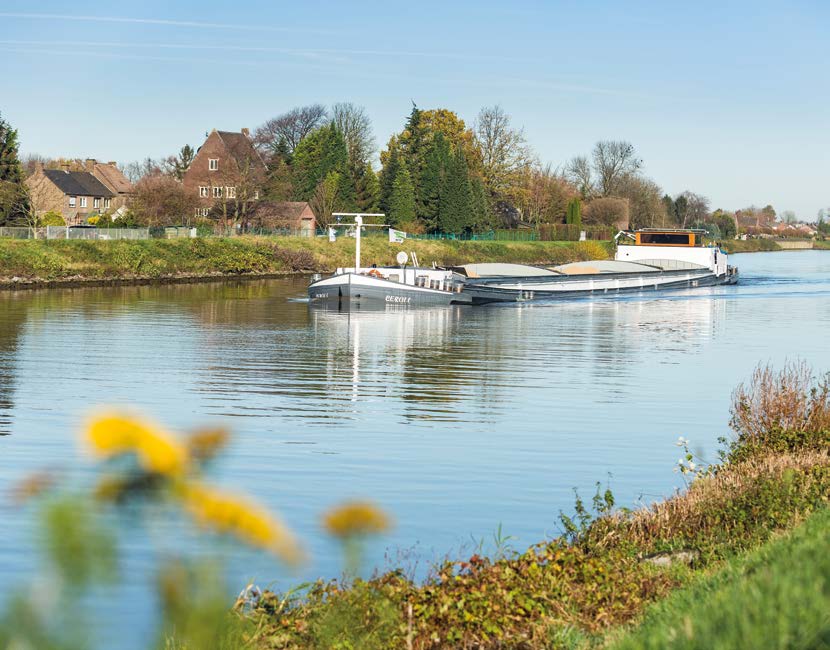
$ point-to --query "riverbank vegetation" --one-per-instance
(592, 586)
(738, 555)
(73, 260)
(757, 245)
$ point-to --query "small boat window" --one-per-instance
(666, 238)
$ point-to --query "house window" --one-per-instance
(205, 212)
(217, 192)
(256, 195)
(213, 164)
(83, 201)
(198, 212)
(203, 191)
(71, 201)
(230, 192)
(107, 203)
(96, 202)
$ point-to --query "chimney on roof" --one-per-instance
(112, 163)
(38, 166)
(65, 166)
(245, 132)
(89, 164)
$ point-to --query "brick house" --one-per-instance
(111, 176)
(227, 171)
(78, 195)
(292, 215)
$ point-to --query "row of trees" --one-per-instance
(436, 174)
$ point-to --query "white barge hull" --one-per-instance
(360, 288)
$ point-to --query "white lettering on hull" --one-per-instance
(400, 299)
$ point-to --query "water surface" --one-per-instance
(455, 419)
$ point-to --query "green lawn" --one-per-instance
(775, 597)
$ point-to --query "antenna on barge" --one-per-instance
(358, 225)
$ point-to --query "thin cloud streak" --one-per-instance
(489, 82)
(161, 21)
(308, 52)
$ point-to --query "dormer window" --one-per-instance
(213, 164)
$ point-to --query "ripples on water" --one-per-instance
(454, 419)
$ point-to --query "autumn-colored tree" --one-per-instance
(544, 195)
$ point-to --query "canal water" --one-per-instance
(457, 421)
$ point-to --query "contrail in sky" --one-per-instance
(304, 52)
(159, 21)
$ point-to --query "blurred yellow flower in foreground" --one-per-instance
(228, 513)
(204, 443)
(157, 451)
(356, 518)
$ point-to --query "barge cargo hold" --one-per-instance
(656, 259)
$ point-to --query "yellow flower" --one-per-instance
(356, 518)
(157, 451)
(204, 444)
(227, 513)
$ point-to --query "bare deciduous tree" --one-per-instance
(289, 128)
(580, 174)
(613, 161)
(356, 127)
(506, 157)
(697, 208)
(138, 169)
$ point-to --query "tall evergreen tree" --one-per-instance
(454, 214)
(482, 217)
(388, 174)
(13, 202)
(368, 190)
(573, 214)
(402, 201)
(321, 152)
(435, 167)
(413, 144)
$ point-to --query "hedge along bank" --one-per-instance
(38, 262)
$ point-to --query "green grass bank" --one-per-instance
(749, 246)
(39, 262)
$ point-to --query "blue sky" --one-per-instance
(727, 99)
